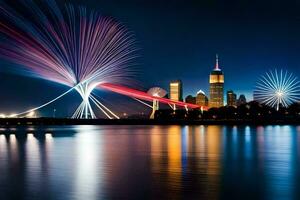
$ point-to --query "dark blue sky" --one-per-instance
(179, 40)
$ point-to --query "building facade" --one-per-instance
(176, 90)
(201, 99)
(231, 98)
(216, 88)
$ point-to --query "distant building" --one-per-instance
(176, 90)
(242, 100)
(231, 98)
(216, 81)
(201, 99)
(190, 99)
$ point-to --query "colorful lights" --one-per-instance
(277, 88)
(73, 47)
(143, 95)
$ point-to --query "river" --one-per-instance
(150, 162)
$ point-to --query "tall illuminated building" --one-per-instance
(176, 90)
(216, 90)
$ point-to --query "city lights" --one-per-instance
(31, 114)
(12, 115)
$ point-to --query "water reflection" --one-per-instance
(174, 160)
(13, 148)
(33, 169)
(159, 162)
(280, 169)
(88, 164)
(3, 157)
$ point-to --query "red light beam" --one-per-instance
(144, 96)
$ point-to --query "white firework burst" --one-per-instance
(277, 88)
(157, 92)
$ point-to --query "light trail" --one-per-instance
(74, 47)
(46, 104)
(144, 96)
(70, 46)
(135, 94)
(101, 104)
(143, 102)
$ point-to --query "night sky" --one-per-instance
(179, 40)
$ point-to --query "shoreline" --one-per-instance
(4, 122)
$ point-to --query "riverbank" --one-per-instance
(66, 121)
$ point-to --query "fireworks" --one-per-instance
(73, 47)
(157, 92)
(277, 88)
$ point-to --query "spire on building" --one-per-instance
(217, 63)
(216, 89)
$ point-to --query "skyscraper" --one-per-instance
(216, 81)
(201, 99)
(176, 90)
(231, 98)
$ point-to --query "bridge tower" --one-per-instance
(155, 107)
(156, 92)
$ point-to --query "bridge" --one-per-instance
(138, 95)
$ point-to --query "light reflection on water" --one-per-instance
(158, 162)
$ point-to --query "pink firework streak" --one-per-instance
(76, 48)
(69, 48)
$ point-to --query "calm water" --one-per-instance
(150, 162)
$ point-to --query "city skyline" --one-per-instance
(217, 96)
(183, 94)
